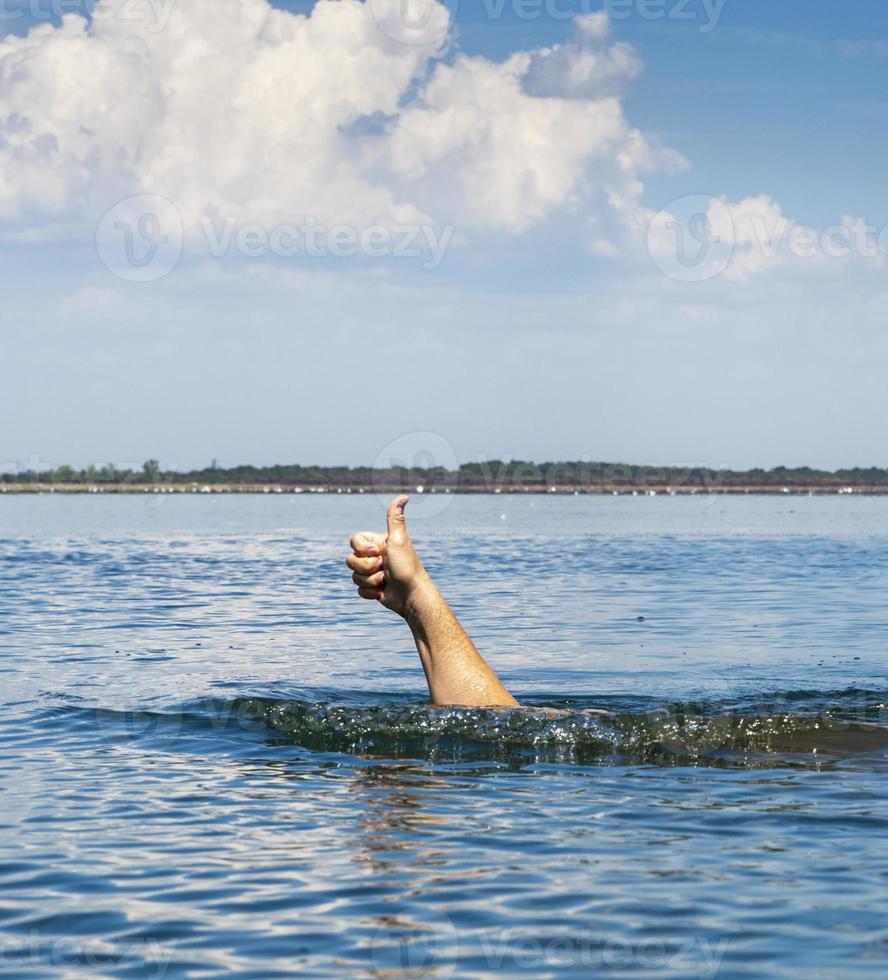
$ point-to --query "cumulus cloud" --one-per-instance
(588, 67)
(478, 147)
(756, 227)
(698, 238)
(233, 109)
(765, 238)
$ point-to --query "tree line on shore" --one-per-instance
(487, 476)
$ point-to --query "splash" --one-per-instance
(789, 728)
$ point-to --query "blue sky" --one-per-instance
(546, 332)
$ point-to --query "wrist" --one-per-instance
(422, 598)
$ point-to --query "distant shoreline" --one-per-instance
(566, 478)
(579, 477)
(73, 489)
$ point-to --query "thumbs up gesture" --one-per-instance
(386, 567)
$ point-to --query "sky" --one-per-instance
(344, 232)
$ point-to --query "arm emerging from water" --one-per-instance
(386, 568)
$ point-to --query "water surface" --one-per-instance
(217, 760)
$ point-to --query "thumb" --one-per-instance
(394, 517)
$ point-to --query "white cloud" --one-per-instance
(238, 112)
(504, 145)
(234, 109)
(699, 238)
(587, 67)
(765, 238)
(758, 229)
(481, 149)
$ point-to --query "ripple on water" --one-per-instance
(214, 761)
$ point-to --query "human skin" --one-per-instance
(387, 569)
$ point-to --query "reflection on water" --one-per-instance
(216, 761)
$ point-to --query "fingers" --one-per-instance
(364, 566)
(394, 517)
(367, 543)
(369, 548)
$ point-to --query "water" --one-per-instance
(216, 760)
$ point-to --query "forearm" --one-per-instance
(455, 670)
(386, 568)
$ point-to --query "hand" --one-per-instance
(386, 566)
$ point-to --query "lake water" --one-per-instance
(216, 759)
